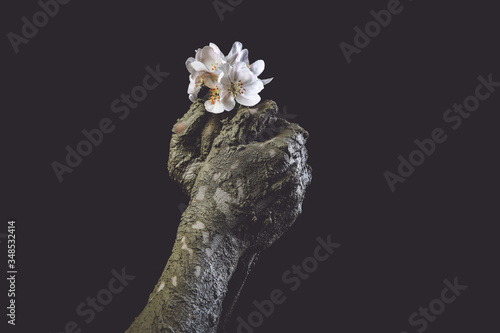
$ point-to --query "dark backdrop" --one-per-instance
(119, 209)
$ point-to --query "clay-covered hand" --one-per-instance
(255, 187)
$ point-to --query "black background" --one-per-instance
(120, 209)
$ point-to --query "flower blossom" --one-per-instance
(204, 69)
(239, 84)
(231, 79)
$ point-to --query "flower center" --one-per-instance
(214, 95)
(214, 67)
(237, 88)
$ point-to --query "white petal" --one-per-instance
(216, 50)
(197, 54)
(225, 67)
(225, 70)
(220, 77)
(214, 108)
(210, 59)
(231, 56)
(224, 80)
(192, 88)
(196, 66)
(254, 87)
(218, 108)
(227, 101)
(257, 67)
(210, 80)
(241, 72)
(188, 64)
(237, 46)
(209, 106)
(266, 81)
(243, 56)
(195, 83)
(248, 99)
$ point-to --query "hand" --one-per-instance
(254, 188)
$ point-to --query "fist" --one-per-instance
(252, 189)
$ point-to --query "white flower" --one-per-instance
(238, 54)
(204, 69)
(230, 78)
(239, 84)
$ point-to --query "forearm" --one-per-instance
(188, 296)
